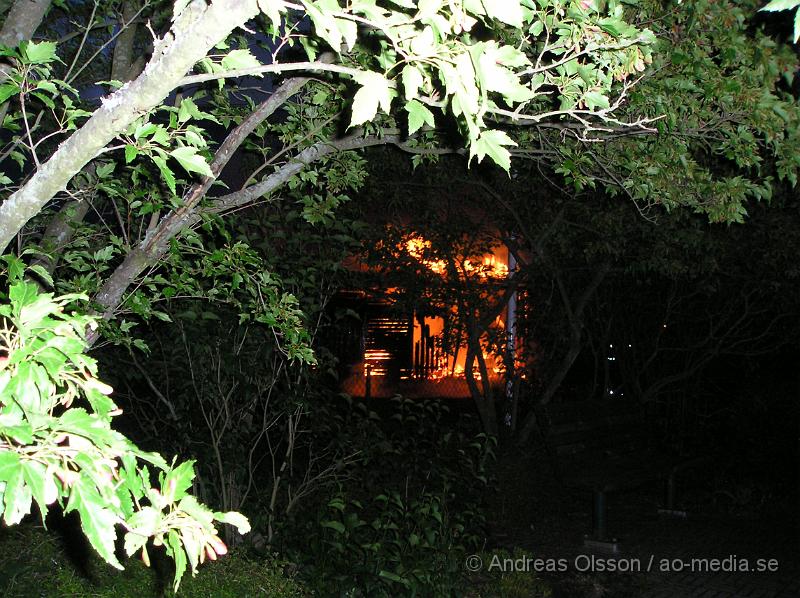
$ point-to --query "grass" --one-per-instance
(56, 562)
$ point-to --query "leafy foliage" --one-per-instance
(55, 450)
(406, 527)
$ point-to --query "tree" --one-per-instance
(544, 81)
(563, 82)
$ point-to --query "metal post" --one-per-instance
(599, 511)
(671, 491)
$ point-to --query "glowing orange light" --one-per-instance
(488, 266)
(417, 246)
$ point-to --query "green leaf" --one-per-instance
(191, 161)
(7, 90)
(47, 86)
(616, 27)
(166, 172)
(196, 510)
(38, 52)
(595, 99)
(143, 523)
(104, 170)
(41, 484)
(16, 270)
(324, 24)
(412, 80)
(130, 153)
(97, 521)
(16, 497)
(418, 115)
(239, 59)
(134, 542)
(491, 143)
(375, 91)
(349, 31)
(236, 519)
(22, 433)
(392, 577)
(175, 549)
(797, 26)
(9, 463)
(37, 309)
(777, 5)
(46, 100)
(144, 130)
(192, 546)
(334, 525)
(178, 481)
(188, 110)
(272, 10)
(507, 11)
(42, 274)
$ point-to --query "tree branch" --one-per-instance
(194, 32)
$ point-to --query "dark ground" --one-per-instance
(533, 512)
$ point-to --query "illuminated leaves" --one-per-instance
(76, 457)
(375, 92)
(191, 161)
(418, 115)
(493, 144)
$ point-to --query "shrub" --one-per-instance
(57, 446)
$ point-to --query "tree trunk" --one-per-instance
(575, 317)
(22, 21)
(485, 407)
(195, 31)
(59, 233)
(122, 61)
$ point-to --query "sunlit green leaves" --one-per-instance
(493, 144)
(418, 115)
(239, 59)
(235, 519)
(7, 90)
(375, 92)
(97, 520)
(191, 160)
(507, 11)
(38, 52)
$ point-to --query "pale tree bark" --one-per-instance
(196, 30)
(22, 21)
(157, 241)
(122, 60)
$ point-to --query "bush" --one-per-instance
(405, 521)
(59, 450)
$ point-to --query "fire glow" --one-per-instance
(489, 266)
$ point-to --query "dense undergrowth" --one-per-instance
(400, 523)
